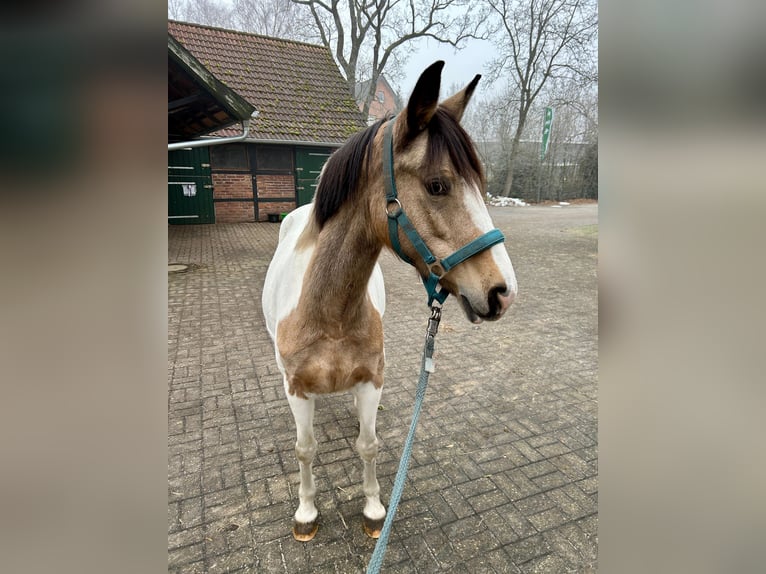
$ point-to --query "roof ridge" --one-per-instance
(243, 33)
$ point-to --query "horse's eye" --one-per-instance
(438, 187)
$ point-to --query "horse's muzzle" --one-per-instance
(498, 301)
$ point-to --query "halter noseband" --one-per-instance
(397, 218)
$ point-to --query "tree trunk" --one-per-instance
(368, 97)
(508, 186)
(350, 70)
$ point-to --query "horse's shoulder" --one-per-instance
(284, 277)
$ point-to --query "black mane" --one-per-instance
(340, 178)
(446, 135)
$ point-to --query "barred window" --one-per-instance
(228, 156)
(274, 158)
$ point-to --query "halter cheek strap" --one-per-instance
(397, 218)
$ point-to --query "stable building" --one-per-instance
(301, 112)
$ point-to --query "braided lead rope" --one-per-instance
(427, 367)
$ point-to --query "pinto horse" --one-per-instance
(323, 298)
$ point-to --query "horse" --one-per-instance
(323, 296)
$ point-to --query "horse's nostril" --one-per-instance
(499, 299)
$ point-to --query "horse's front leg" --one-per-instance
(305, 523)
(367, 398)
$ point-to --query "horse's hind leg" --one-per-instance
(367, 398)
(305, 523)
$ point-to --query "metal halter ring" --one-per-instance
(437, 269)
(396, 213)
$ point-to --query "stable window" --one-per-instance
(274, 158)
(228, 156)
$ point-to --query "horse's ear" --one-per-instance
(424, 99)
(456, 104)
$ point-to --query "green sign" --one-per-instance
(546, 132)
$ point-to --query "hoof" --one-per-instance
(372, 528)
(303, 532)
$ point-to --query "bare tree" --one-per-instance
(492, 122)
(176, 9)
(364, 35)
(540, 41)
(277, 18)
(208, 12)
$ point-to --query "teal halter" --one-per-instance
(397, 218)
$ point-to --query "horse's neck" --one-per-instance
(334, 293)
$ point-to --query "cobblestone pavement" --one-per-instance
(504, 469)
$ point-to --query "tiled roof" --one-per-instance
(296, 87)
(198, 103)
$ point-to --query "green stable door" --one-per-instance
(308, 165)
(190, 187)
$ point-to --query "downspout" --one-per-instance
(216, 141)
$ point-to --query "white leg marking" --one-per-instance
(305, 449)
(366, 398)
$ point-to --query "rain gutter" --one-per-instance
(216, 141)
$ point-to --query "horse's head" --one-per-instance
(441, 186)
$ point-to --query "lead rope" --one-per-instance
(427, 367)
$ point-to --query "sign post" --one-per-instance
(547, 122)
(546, 132)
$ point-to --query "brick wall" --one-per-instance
(379, 110)
(234, 211)
(272, 187)
(227, 186)
(233, 186)
(275, 186)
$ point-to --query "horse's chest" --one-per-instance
(320, 364)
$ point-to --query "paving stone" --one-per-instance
(535, 504)
(527, 549)
(185, 554)
(419, 553)
(440, 548)
(547, 519)
(457, 502)
(439, 508)
(473, 545)
(551, 480)
(174, 524)
(538, 469)
(475, 487)
(563, 547)
(483, 502)
(548, 564)
(193, 568)
(515, 484)
(238, 560)
(517, 521)
(496, 559)
(405, 567)
(504, 472)
(190, 514)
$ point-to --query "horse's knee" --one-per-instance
(305, 452)
(367, 449)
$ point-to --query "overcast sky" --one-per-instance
(460, 66)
